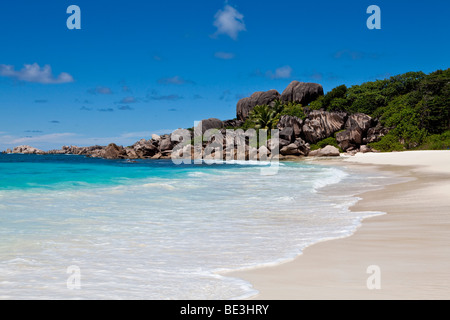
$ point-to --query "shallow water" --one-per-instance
(155, 230)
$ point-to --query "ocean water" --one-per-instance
(155, 230)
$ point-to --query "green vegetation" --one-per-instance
(294, 110)
(388, 143)
(267, 117)
(264, 117)
(325, 142)
(414, 105)
(437, 142)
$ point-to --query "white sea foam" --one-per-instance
(328, 177)
(171, 238)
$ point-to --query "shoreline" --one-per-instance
(337, 269)
(410, 248)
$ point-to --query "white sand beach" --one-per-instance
(410, 244)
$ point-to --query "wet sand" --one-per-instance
(410, 244)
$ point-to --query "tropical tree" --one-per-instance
(265, 117)
(278, 105)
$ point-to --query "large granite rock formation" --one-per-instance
(287, 134)
(298, 148)
(322, 124)
(245, 105)
(298, 92)
(145, 148)
(291, 122)
(295, 134)
(166, 143)
(303, 147)
(233, 123)
(113, 151)
(211, 123)
(360, 120)
(356, 129)
(375, 134)
(302, 92)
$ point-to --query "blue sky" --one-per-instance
(142, 67)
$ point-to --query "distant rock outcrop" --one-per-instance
(113, 151)
(166, 143)
(85, 151)
(302, 92)
(245, 105)
(145, 148)
(27, 150)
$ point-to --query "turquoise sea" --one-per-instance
(156, 230)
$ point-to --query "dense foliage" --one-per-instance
(414, 105)
(265, 117)
(293, 109)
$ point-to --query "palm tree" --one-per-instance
(278, 105)
(265, 117)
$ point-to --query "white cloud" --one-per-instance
(224, 55)
(34, 73)
(229, 21)
(280, 73)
